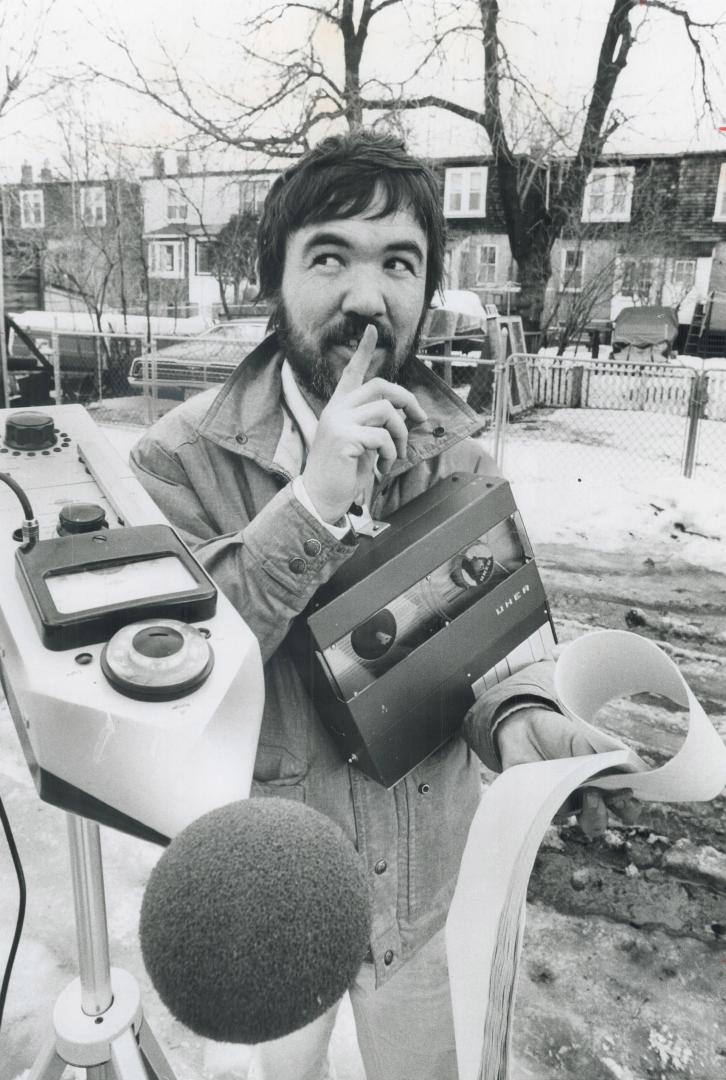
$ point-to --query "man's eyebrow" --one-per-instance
(319, 239)
(407, 245)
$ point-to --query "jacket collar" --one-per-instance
(248, 417)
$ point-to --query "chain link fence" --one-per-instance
(91, 369)
(710, 438)
(597, 416)
(619, 416)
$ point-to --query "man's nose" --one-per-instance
(364, 293)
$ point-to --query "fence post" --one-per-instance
(55, 346)
(696, 410)
(99, 368)
(575, 401)
(150, 373)
(500, 404)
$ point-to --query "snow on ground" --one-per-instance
(581, 477)
(588, 487)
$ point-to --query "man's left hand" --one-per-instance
(537, 734)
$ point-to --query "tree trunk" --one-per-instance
(223, 294)
(535, 268)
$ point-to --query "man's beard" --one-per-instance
(312, 368)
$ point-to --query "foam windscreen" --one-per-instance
(255, 920)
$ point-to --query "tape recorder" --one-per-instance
(442, 604)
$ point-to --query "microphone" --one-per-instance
(255, 920)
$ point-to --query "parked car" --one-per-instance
(644, 333)
(90, 361)
(199, 361)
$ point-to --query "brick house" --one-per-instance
(84, 233)
(646, 232)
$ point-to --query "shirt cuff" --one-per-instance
(336, 531)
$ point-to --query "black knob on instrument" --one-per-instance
(81, 517)
(29, 431)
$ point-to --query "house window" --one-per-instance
(465, 192)
(608, 195)
(720, 211)
(176, 206)
(637, 278)
(166, 258)
(684, 273)
(32, 210)
(573, 264)
(204, 257)
(93, 205)
(252, 195)
(487, 268)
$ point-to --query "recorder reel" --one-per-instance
(446, 602)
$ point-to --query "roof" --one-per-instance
(605, 159)
(179, 230)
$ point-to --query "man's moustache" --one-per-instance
(344, 333)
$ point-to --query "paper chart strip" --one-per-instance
(485, 925)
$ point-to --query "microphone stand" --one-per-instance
(98, 1022)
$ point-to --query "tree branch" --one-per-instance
(690, 24)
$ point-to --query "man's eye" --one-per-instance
(327, 258)
(401, 265)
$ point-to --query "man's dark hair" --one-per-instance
(339, 178)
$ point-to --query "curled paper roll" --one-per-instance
(485, 925)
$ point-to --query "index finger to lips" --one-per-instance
(356, 369)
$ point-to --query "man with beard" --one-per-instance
(330, 419)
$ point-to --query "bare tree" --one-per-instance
(536, 215)
(300, 90)
(304, 92)
(235, 253)
(22, 24)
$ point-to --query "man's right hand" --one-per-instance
(360, 425)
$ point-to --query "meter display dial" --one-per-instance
(157, 660)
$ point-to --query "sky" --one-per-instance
(553, 42)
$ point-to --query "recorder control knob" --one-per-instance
(81, 517)
(29, 431)
(157, 660)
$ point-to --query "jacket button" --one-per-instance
(388, 957)
(438, 431)
(298, 565)
(240, 437)
(381, 866)
(424, 789)
(312, 547)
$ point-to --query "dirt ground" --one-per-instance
(624, 965)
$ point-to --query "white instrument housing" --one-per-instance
(148, 768)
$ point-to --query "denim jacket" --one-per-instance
(219, 467)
